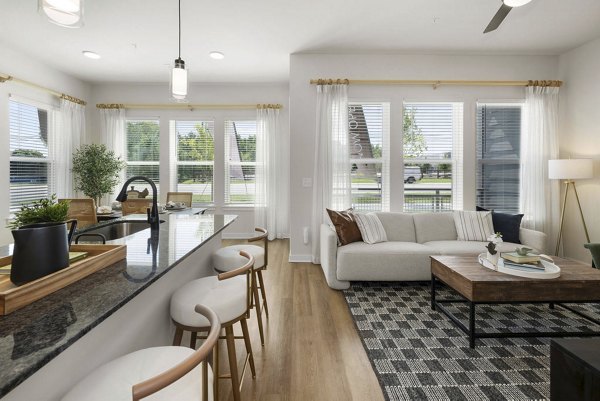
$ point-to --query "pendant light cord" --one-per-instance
(179, 28)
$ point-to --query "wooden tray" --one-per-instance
(99, 257)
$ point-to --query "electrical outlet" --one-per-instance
(307, 182)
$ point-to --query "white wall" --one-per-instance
(199, 94)
(303, 67)
(28, 68)
(580, 137)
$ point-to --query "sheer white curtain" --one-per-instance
(539, 143)
(112, 125)
(331, 174)
(70, 133)
(272, 184)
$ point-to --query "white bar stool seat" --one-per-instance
(227, 298)
(113, 381)
(228, 258)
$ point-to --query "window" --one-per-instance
(432, 156)
(143, 152)
(240, 162)
(368, 130)
(30, 159)
(498, 156)
(195, 159)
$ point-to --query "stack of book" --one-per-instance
(514, 260)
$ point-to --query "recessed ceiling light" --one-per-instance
(515, 3)
(90, 54)
(217, 55)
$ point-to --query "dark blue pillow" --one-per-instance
(507, 224)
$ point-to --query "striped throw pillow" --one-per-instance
(370, 228)
(473, 226)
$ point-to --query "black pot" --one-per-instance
(40, 249)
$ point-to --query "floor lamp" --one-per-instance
(570, 170)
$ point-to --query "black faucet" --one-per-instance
(152, 214)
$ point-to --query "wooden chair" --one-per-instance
(226, 259)
(83, 210)
(185, 197)
(135, 206)
(228, 294)
(167, 373)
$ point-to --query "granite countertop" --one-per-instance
(32, 336)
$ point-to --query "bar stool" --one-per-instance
(228, 294)
(227, 258)
(165, 373)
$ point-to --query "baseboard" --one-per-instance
(300, 258)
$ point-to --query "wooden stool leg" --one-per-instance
(216, 371)
(257, 308)
(263, 292)
(178, 336)
(193, 335)
(248, 344)
(235, 380)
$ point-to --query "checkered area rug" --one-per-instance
(419, 354)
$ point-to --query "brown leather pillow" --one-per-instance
(345, 226)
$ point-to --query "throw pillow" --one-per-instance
(509, 225)
(370, 227)
(473, 226)
(345, 226)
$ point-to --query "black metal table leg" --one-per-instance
(471, 324)
(432, 292)
(551, 305)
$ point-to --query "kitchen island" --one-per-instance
(46, 347)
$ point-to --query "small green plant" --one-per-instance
(491, 247)
(41, 211)
(96, 170)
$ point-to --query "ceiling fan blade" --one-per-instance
(498, 18)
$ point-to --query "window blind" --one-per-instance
(30, 160)
(143, 152)
(240, 162)
(433, 160)
(498, 156)
(195, 159)
(368, 130)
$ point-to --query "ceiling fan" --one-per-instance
(505, 8)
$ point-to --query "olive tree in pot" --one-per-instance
(96, 171)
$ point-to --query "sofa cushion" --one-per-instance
(473, 226)
(398, 226)
(466, 247)
(507, 224)
(370, 227)
(434, 227)
(385, 261)
(345, 226)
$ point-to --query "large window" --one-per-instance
(240, 162)
(195, 159)
(368, 128)
(498, 156)
(30, 159)
(432, 137)
(143, 152)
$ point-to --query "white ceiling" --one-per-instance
(138, 38)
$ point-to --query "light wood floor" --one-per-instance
(312, 350)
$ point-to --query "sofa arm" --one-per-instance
(329, 258)
(533, 239)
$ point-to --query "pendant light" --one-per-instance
(179, 78)
(67, 13)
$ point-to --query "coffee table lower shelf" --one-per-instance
(437, 304)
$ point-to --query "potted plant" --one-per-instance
(492, 253)
(96, 171)
(41, 241)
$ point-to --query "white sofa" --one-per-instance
(412, 239)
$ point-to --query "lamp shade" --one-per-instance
(570, 169)
(67, 13)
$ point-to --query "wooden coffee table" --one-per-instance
(578, 283)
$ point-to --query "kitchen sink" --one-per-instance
(116, 230)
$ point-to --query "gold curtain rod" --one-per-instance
(188, 106)
(434, 83)
(5, 78)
